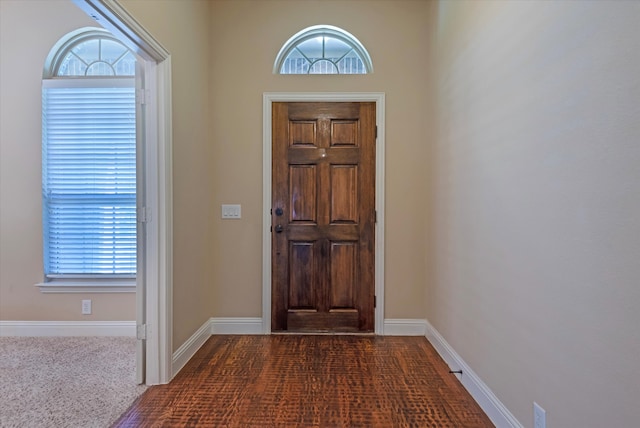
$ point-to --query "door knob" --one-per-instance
(279, 211)
(279, 228)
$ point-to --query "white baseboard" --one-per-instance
(236, 326)
(233, 325)
(212, 326)
(189, 348)
(486, 399)
(67, 328)
(404, 327)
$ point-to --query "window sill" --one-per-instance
(87, 286)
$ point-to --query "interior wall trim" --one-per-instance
(404, 327)
(189, 348)
(486, 399)
(236, 325)
(154, 294)
(67, 328)
(233, 325)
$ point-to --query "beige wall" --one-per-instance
(222, 56)
(512, 208)
(534, 274)
(28, 30)
(182, 27)
(244, 39)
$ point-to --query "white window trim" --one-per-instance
(64, 45)
(86, 285)
(83, 283)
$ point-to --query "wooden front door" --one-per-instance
(323, 216)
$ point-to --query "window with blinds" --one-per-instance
(89, 162)
(89, 181)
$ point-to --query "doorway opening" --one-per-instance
(342, 248)
(153, 289)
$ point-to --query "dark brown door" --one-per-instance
(323, 216)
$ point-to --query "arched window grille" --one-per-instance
(323, 49)
(90, 52)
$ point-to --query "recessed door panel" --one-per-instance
(344, 193)
(344, 133)
(344, 271)
(302, 133)
(302, 286)
(302, 193)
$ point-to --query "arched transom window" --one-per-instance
(90, 53)
(323, 49)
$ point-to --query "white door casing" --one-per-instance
(153, 294)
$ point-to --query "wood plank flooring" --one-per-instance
(310, 381)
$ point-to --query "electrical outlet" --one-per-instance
(86, 307)
(539, 416)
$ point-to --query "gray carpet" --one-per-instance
(66, 381)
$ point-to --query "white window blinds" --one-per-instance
(89, 179)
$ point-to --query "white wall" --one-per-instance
(534, 263)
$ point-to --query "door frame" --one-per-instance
(268, 98)
(154, 304)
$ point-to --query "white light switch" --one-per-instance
(231, 211)
(86, 307)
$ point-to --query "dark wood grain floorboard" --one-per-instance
(310, 381)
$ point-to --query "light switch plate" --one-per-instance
(231, 211)
(86, 307)
(539, 416)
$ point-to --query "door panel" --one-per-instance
(344, 203)
(302, 282)
(344, 275)
(323, 216)
(302, 188)
(303, 133)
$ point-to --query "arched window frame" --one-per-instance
(322, 31)
(65, 46)
(72, 97)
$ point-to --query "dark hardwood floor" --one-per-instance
(310, 381)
